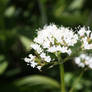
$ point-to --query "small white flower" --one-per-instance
(87, 58)
(63, 49)
(31, 57)
(90, 66)
(82, 31)
(33, 64)
(91, 36)
(82, 56)
(42, 55)
(88, 33)
(82, 65)
(39, 67)
(47, 59)
(52, 49)
(27, 60)
(37, 48)
(77, 60)
(69, 51)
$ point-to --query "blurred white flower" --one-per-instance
(82, 31)
(85, 38)
(27, 60)
(36, 47)
(84, 60)
(44, 57)
(33, 64)
(30, 58)
(47, 59)
(77, 60)
(39, 67)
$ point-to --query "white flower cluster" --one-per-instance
(31, 61)
(86, 38)
(84, 60)
(56, 39)
(52, 39)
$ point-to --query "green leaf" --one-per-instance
(13, 72)
(59, 8)
(25, 41)
(3, 67)
(2, 58)
(76, 4)
(3, 64)
(37, 80)
(10, 11)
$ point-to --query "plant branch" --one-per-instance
(77, 80)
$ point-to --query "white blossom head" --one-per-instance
(53, 40)
(85, 36)
(84, 60)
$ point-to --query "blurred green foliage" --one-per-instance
(18, 21)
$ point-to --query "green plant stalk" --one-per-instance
(61, 67)
(77, 80)
(62, 78)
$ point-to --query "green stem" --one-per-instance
(62, 78)
(61, 66)
(77, 80)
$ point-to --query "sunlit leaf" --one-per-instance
(76, 4)
(10, 11)
(3, 66)
(25, 41)
(37, 80)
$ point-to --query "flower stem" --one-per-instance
(62, 78)
(61, 67)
